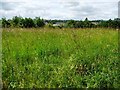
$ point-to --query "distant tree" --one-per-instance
(15, 21)
(103, 24)
(87, 23)
(39, 22)
(28, 23)
(86, 20)
(21, 22)
(109, 23)
(5, 23)
(116, 23)
(79, 24)
(70, 24)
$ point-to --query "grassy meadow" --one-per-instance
(46, 57)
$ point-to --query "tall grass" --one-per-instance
(60, 58)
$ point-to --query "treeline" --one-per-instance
(22, 22)
(87, 23)
(38, 22)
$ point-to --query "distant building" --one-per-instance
(95, 23)
(46, 23)
(58, 24)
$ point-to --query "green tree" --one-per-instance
(79, 24)
(110, 23)
(103, 24)
(5, 23)
(87, 23)
(28, 23)
(116, 23)
(39, 22)
(15, 21)
(70, 24)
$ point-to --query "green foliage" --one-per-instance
(21, 22)
(71, 24)
(15, 21)
(5, 23)
(79, 24)
(28, 23)
(110, 23)
(56, 58)
(87, 23)
(39, 22)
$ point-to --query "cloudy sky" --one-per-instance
(60, 9)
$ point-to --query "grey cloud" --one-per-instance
(96, 11)
(119, 9)
(87, 9)
(73, 4)
(7, 6)
(70, 4)
(61, 10)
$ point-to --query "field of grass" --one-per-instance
(60, 58)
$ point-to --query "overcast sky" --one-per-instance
(60, 9)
